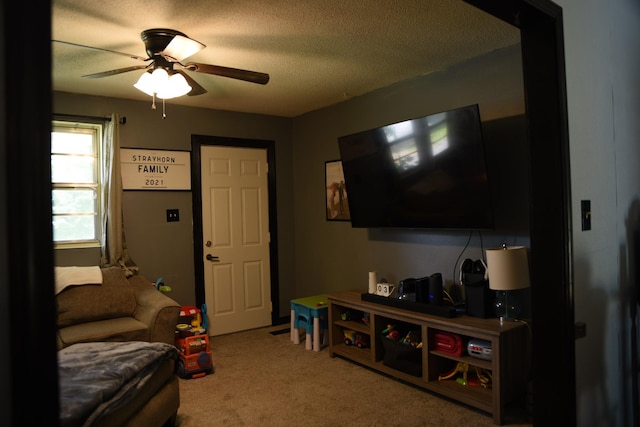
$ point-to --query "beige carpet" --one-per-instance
(262, 379)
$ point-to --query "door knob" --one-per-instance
(212, 258)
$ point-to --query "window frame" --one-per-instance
(97, 130)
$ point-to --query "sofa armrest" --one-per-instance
(156, 310)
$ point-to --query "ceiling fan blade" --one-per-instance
(128, 55)
(196, 89)
(181, 47)
(114, 72)
(234, 73)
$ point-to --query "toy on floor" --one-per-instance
(195, 358)
(205, 319)
(191, 316)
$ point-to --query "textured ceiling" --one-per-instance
(317, 53)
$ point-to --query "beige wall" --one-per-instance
(164, 249)
(315, 255)
(332, 256)
(602, 65)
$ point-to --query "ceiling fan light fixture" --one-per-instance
(161, 84)
(181, 47)
(145, 83)
(159, 78)
(176, 86)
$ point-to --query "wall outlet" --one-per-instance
(173, 215)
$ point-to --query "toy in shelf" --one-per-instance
(391, 332)
(365, 318)
(461, 368)
(412, 338)
(484, 376)
(355, 338)
(347, 315)
(474, 377)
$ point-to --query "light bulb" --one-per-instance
(162, 85)
(145, 83)
(176, 86)
(160, 77)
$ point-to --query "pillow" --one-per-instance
(75, 276)
(113, 298)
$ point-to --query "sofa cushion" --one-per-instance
(113, 298)
(120, 329)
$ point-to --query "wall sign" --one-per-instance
(155, 169)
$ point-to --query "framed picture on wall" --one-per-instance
(337, 206)
(143, 169)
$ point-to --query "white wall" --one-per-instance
(602, 51)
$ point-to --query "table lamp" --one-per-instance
(508, 270)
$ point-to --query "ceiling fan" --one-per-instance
(165, 49)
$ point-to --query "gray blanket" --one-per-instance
(97, 378)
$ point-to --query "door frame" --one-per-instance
(30, 117)
(197, 142)
(552, 296)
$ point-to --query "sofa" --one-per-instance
(118, 309)
(118, 313)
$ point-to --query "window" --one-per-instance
(75, 176)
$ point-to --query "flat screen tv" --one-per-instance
(428, 172)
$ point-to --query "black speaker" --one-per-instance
(422, 290)
(435, 289)
(407, 290)
(479, 298)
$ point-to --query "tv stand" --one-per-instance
(508, 366)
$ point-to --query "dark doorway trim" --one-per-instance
(197, 141)
(28, 361)
(553, 338)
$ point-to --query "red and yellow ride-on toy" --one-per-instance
(193, 342)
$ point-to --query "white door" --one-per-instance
(235, 228)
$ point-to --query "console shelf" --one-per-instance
(509, 344)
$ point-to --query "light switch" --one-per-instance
(580, 330)
(585, 213)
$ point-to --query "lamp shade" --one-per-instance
(508, 268)
(162, 84)
(175, 86)
(145, 83)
